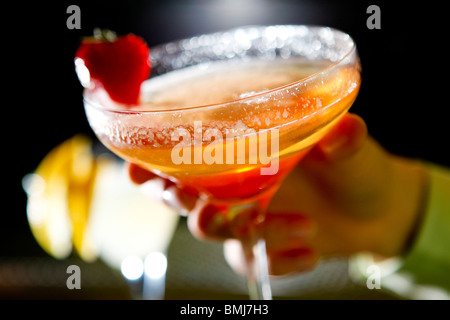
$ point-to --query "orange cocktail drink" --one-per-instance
(230, 114)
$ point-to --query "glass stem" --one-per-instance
(245, 218)
(249, 215)
(258, 280)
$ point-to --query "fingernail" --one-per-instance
(332, 146)
(344, 139)
(213, 222)
(296, 252)
(139, 175)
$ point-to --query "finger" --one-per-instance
(342, 141)
(284, 231)
(217, 221)
(288, 237)
(139, 175)
(234, 255)
(293, 260)
(280, 262)
(180, 199)
(208, 221)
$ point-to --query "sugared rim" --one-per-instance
(333, 65)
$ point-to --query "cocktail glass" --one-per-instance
(235, 154)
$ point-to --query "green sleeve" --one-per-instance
(424, 272)
(428, 261)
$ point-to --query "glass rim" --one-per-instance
(99, 106)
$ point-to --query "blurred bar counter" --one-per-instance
(196, 270)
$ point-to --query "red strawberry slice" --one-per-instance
(119, 65)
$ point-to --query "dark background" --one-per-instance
(403, 95)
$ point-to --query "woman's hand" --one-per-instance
(347, 195)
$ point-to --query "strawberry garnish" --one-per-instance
(118, 64)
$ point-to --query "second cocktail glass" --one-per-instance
(235, 151)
